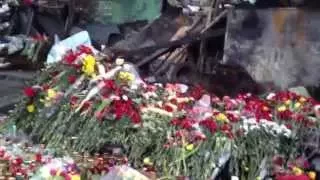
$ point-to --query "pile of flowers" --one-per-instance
(84, 103)
(21, 159)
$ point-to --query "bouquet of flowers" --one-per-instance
(84, 103)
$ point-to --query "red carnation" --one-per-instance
(38, 157)
(229, 134)
(45, 87)
(18, 161)
(73, 100)
(168, 108)
(29, 92)
(197, 92)
(187, 123)
(174, 101)
(86, 50)
(226, 127)
(99, 115)
(232, 117)
(285, 115)
(210, 124)
(135, 117)
(175, 122)
(278, 160)
(77, 66)
(72, 79)
(70, 57)
(126, 108)
(298, 117)
(110, 84)
(86, 105)
(121, 108)
(182, 106)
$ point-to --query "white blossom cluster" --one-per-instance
(270, 127)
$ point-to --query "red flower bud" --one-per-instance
(29, 92)
(168, 108)
(72, 79)
(70, 57)
(53, 172)
(85, 49)
(278, 160)
(38, 157)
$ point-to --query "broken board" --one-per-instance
(278, 47)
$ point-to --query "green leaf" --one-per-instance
(104, 103)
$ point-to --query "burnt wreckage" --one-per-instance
(229, 47)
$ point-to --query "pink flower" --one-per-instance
(199, 136)
(292, 177)
(53, 172)
(179, 133)
(215, 100)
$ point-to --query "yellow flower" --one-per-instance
(147, 161)
(297, 171)
(75, 177)
(31, 108)
(302, 99)
(222, 118)
(297, 105)
(126, 76)
(51, 94)
(189, 147)
(282, 108)
(88, 66)
(288, 102)
(246, 169)
(258, 178)
(58, 172)
(312, 175)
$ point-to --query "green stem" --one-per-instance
(184, 158)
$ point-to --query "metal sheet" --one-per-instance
(279, 47)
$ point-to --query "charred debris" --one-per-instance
(186, 44)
